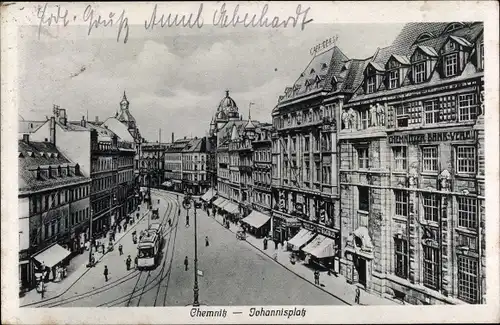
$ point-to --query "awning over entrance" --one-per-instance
(321, 247)
(230, 207)
(208, 195)
(256, 219)
(219, 202)
(300, 239)
(52, 255)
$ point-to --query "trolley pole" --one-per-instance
(196, 303)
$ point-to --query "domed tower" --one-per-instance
(229, 108)
(124, 116)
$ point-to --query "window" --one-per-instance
(466, 159)
(467, 212)
(318, 172)
(431, 207)
(362, 157)
(451, 65)
(363, 119)
(467, 107)
(401, 203)
(419, 72)
(363, 198)
(371, 84)
(430, 159)
(431, 111)
(431, 267)
(393, 79)
(401, 254)
(468, 279)
(399, 157)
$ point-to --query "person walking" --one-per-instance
(125, 226)
(120, 249)
(102, 248)
(136, 261)
(187, 220)
(106, 272)
(119, 227)
(358, 294)
(186, 262)
(265, 243)
(275, 244)
(316, 277)
(128, 261)
(169, 222)
(206, 241)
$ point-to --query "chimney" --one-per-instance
(83, 122)
(26, 138)
(97, 118)
(184, 137)
(172, 137)
(62, 115)
(53, 130)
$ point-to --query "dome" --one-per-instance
(221, 115)
(227, 104)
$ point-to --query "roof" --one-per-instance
(178, 145)
(194, 145)
(103, 133)
(319, 72)
(119, 129)
(33, 155)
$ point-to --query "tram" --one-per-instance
(149, 248)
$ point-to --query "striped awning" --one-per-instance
(209, 195)
(256, 219)
(230, 207)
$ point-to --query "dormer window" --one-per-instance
(393, 79)
(452, 27)
(450, 65)
(323, 66)
(373, 77)
(424, 37)
(481, 55)
(422, 60)
(371, 82)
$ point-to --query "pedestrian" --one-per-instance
(92, 259)
(206, 241)
(358, 293)
(125, 226)
(186, 262)
(265, 243)
(275, 244)
(169, 222)
(316, 277)
(42, 289)
(187, 220)
(120, 249)
(106, 272)
(119, 228)
(136, 261)
(102, 248)
(128, 262)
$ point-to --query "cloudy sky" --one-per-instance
(174, 79)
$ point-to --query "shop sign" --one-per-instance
(324, 45)
(319, 229)
(432, 137)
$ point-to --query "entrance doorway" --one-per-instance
(361, 268)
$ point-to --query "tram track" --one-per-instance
(156, 281)
(171, 203)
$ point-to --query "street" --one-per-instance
(234, 272)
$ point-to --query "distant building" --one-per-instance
(412, 168)
(173, 165)
(194, 174)
(53, 202)
(152, 163)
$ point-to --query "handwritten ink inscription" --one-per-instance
(223, 17)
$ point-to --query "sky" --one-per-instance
(174, 79)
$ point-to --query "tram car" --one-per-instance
(148, 250)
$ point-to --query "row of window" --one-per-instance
(125, 161)
(262, 155)
(193, 166)
(61, 225)
(103, 164)
(311, 115)
(44, 202)
(430, 203)
(223, 173)
(262, 177)
(173, 156)
(125, 176)
(103, 183)
(193, 158)
(262, 198)
(465, 158)
(468, 270)
(101, 205)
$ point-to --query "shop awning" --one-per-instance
(256, 219)
(320, 247)
(52, 255)
(208, 195)
(300, 239)
(219, 202)
(230, 207)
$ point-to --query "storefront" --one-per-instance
(46, 260)
(284, 226)
(209, 195)
(302, 238)
(326, 250)
(232, 210)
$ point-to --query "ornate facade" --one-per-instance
(412, 168)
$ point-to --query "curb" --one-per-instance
(284, 266)
(87, 269)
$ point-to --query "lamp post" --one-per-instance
(187, 205)
(90, 237)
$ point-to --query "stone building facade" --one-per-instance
(412, 168)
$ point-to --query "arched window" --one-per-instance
(423, 37)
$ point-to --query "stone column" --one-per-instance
(446, 280)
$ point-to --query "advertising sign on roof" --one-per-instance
(329, 42)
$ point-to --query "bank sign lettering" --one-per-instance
(433, 137)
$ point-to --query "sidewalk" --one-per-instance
(77, 268)
(335, 285)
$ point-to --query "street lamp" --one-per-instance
(90, 237)
(187, 205)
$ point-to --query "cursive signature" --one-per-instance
(95, 21)
(48, 20)
(222, 19)
(175, 20)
